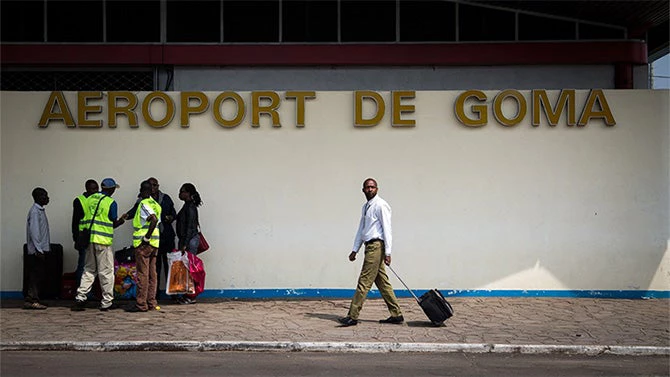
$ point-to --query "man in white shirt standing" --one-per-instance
(374, 230)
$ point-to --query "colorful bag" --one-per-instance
(125, 280)
(197, 270)
(179, 279)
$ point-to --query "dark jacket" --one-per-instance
(77, 215)
(187, 223)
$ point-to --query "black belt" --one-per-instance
(374, 240)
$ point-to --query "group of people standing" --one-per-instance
(153, 238)
(94, 218)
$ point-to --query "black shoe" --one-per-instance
(348, 321)
(79, 306)
(110, 307)
(394, 320)
(134, 309)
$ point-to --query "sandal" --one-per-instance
(34, 306)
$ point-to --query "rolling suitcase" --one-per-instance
(432, 302)
(53, 272)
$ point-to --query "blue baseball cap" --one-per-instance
(109, 183)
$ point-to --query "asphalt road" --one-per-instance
(255, 364)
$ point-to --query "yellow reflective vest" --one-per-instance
(102, 231)
(139, 230)
(86, 220)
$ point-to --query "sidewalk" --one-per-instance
(531, 325)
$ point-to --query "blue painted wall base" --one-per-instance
(315, 293)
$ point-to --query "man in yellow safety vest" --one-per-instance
(99, 254)
(146, 239)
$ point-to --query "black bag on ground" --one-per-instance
(437, 309)
(432, 302)
(53, 272)
(125, 255)
(83, 239)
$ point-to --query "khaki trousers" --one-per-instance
(100, 262)
(145, 259)
(373, 271)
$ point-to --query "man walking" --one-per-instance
(81, 220)
(374, 230)
(146, 240)
(99, 254)
(38, 243)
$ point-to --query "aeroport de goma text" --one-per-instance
(472, 108)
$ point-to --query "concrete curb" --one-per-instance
(365, 347)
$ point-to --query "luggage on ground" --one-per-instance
(435, 306)
(53, 272)
(432, 302)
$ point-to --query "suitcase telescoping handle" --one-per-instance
(403, 283)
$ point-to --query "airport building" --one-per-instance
(519, 143)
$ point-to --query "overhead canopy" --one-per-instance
(643, 19)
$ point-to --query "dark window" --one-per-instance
(367, 21)
(193, 21)
(484, 24)
(76, 80)
(133, 21)
(309, 21)
(589, 31)
(427, 21)
(22, 21)
(251, 21)
(74, 21)
(533, 28)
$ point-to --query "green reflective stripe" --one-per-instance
(153, 237)
(99, 233)
(140, 230)
(102, 231)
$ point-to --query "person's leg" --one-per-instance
(142, 256)
(162, 265)
(105, 256)
(153, 279)
(81, 262)
(36, 269)
(365, 280)
(193, 244)
(88, 277)
(384, 285)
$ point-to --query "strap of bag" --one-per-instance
(403, 283)
(96, 212)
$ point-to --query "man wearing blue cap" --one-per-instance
(99, 255)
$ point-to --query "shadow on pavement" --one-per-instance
(329, 317)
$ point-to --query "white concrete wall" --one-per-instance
(395, 78)
(521, 208)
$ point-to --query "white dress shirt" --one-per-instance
(375, 223)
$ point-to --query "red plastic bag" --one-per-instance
(197, 270)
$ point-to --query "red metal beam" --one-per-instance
(452, 54)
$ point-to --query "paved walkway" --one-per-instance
(543, 323)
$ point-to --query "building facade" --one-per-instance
(520, 148)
